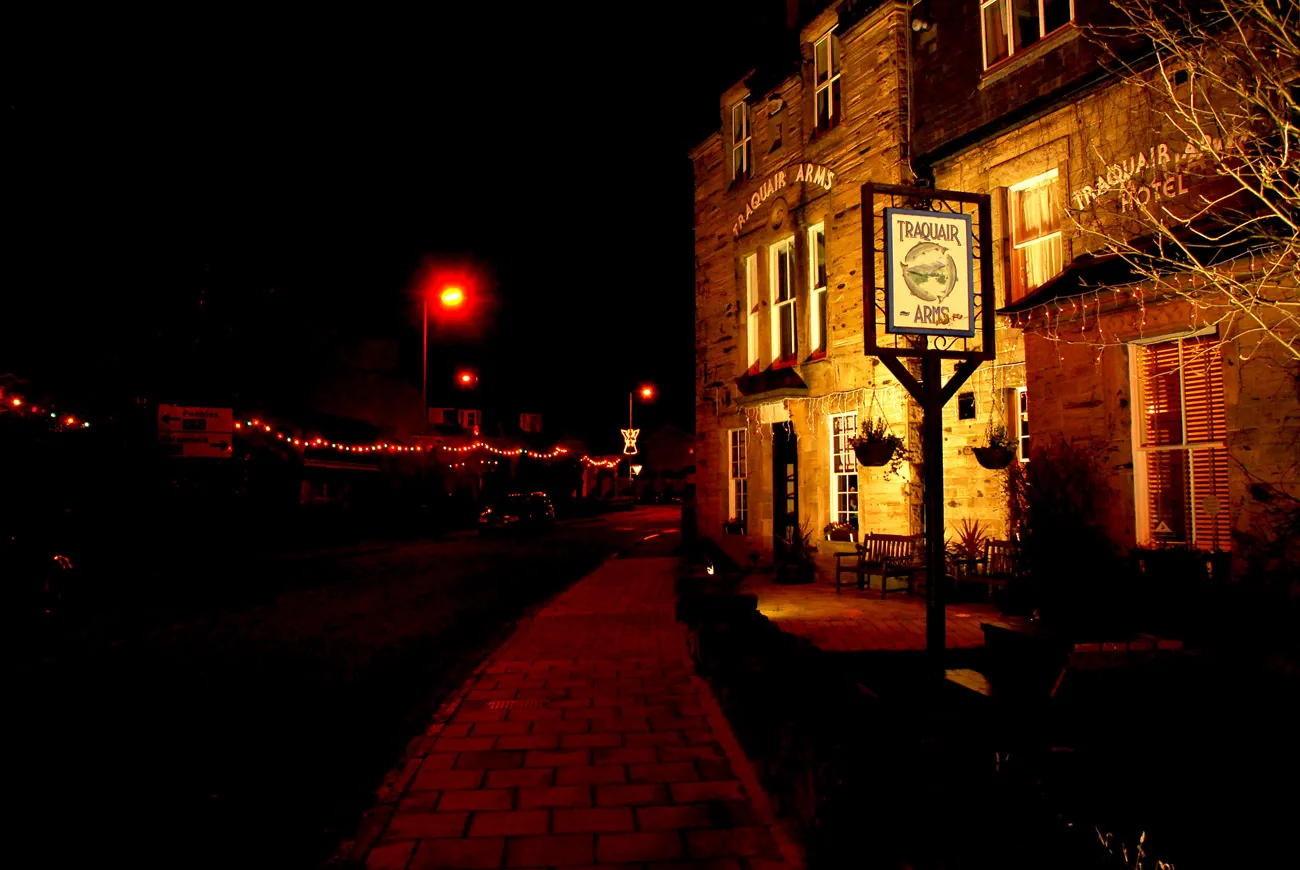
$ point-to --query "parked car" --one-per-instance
(517, 512)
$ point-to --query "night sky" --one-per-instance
(201, 209)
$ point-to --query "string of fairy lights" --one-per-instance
(256, 425)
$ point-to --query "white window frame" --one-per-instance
(1020, 395)
(783, 309)
(832, 77)
(1056, 237)
(738, 476)
(742, 141)
(816, 293)
(1006, 26)
(1141, 499)
(753, 304)
(848, 426)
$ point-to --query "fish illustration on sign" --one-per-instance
(929, 271)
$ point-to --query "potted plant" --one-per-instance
(999, 451)
(795, 559)
(733, 526)
(876, 445)
(841, 532)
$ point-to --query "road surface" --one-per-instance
(253, 730)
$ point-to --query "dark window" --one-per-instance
(965, 406)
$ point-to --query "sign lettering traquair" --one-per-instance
(1161, 171)
(928, 270)
(812, 173)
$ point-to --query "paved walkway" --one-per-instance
(853, 620)
(586, 740)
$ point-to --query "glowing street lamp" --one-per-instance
(451, 296)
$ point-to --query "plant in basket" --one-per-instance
(998, 452)
(794, 562)
(876, 445)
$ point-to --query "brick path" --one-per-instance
(854, 621)
(585, 741)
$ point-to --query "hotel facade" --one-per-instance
(1191, 422)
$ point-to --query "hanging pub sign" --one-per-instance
(928, 271)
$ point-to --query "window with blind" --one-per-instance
(844, 470)
(751, 311)
(817, 322)
(1180, 456)
(781, 276)
(1010, 26)
(742, 155)
(1037, 252)
(738, 477)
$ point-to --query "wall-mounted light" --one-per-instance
(919, 24)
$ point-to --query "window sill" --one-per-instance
(785, 363)
(1008, 66)
(819, 356)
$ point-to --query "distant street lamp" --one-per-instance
(450, 297)
(647, 392)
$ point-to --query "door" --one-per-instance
(785, 483)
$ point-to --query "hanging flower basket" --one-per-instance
(875, 452)
(993, 458)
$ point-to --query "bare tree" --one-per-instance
(1223, 77)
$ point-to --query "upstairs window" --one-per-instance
(781, 277)
(1180, 451)
(742, 157)
(752, 305)
(1013, 25)
(1037, 252)
(817, 325)
(826, 81)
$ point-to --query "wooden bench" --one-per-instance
(999, 565)
(885, 556)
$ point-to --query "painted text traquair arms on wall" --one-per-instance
(812, 173)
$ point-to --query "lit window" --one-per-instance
(1020, 398)
(742, 156)
(468, 420)
(752, 310)
(738, 478)
(826, 84)
(530, 422)
(1014, 25)
(1180, 455)
(781, 277)
(817, 281)
(1037, 252)
(844, 470)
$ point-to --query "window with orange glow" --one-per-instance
(817, 320)
(752, 306)
(785, 344)
(1180, 443)
(1037, 249)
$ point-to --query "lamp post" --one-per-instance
(647, 392)
(450, 297)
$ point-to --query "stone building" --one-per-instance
(1020, 104)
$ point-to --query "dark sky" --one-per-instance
(292, 173)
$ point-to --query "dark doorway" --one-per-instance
(785, 482)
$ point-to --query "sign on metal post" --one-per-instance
(188, 431)
(925, 253)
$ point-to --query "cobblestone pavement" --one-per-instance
(586, 740)
(854, 621)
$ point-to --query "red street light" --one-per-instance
(452, 297)
(647, 392)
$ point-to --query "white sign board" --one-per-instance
(188, 431)
(929, 266)
(183, 418)
(215, 445)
